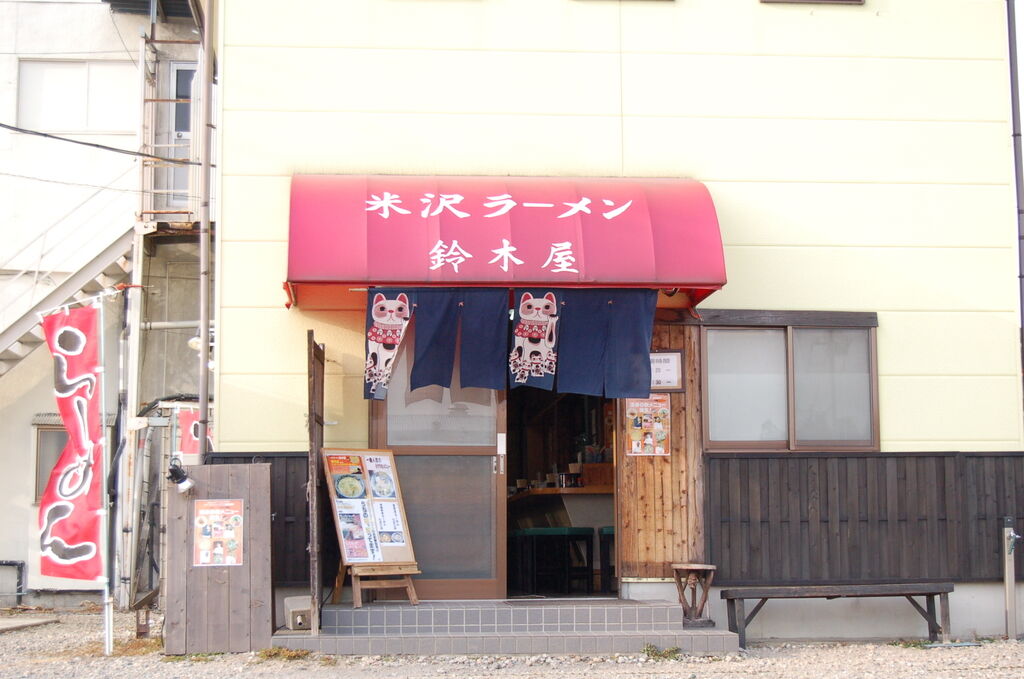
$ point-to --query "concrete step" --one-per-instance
(698, 641)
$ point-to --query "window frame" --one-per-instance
(42, 476)
(813, 2)
(802, 321)
(87, 127)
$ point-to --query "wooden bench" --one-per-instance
(738, 619)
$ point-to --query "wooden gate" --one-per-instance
(316, 490)
(219, 608)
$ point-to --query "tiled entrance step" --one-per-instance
(515, 626)
(503, 617)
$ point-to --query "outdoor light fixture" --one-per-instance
(179, 476)
(194, 343)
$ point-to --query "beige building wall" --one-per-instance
(859, 158)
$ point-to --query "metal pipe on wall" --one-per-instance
(1009, 543)
(19, 567)
(1018, 161)
(206, 139)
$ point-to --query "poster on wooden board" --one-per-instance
(219, 532)
(648, 425)
(369, 514)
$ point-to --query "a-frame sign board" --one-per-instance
(369, 517)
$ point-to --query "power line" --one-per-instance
(88, 186)
(42, 234)
(66, 52)
(102, 147)
(121, 38)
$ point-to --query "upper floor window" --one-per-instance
(89, 97)
(790, 387)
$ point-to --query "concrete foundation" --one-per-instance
(976, 610)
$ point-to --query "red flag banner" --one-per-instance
(188, 432)
(69, 510)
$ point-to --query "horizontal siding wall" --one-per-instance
(859, 158)
(876, 517)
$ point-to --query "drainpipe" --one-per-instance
(20, 567)
(1018, 163)
(206, 141)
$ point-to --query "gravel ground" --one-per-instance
(72, 649)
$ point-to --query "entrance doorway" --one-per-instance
(561, 505)
(480, 466)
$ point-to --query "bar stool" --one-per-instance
(606, 543)
(548, 552)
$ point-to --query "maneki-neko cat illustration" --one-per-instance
(390, 319)
(533, 353)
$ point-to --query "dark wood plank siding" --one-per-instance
(811, 518)
(289, 512)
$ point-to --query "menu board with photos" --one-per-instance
(369, 515)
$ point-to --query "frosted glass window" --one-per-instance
(449, 502)
(52, 95)
(833, 384)
(435, 416)
(747, 398)
(78, 96)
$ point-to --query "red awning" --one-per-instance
(353, 230)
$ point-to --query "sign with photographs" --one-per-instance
(648, 425)
(367, 506)
(219, 530)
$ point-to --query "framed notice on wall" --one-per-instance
(667, 371)
(367, 506)
(648, 425)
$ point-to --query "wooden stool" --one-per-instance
(377, 576)
(690, 576)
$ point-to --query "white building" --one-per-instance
(72, 214)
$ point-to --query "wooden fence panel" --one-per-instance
(810, 518)
(226, 608)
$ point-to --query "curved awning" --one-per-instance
(357, 230)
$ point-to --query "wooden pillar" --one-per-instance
(660, 512)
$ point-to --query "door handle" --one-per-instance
(501, 454)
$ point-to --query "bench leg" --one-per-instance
(944, 605)
(737, 619)
(932, 624)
